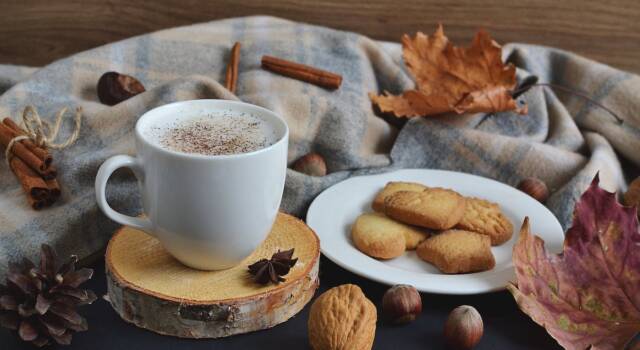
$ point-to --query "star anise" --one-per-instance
(40, 302)
(272, 270)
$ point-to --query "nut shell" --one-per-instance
(114, 88)
(342, 318)
(311, 164)
(464, 328)
(535, 188)
(401, 304)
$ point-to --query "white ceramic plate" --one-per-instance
(332, 213)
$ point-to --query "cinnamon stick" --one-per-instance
(231, 79)
(32, 184)
(50, 173)
(302, 72)
(37, 204)
(40, 152)
(21, 151)
(54, 191)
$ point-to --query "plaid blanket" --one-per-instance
(564, 140)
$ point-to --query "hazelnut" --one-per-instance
(311, 164)
(401, 304)
(342, 318)
(114, 88)
(632, 196)
(535, 188)
(463, 329)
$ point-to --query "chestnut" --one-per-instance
(114, 88)
(401, 304)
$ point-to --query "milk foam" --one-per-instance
(221, 133)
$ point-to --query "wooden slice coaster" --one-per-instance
(152, 290)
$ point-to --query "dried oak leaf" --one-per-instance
(587, 296)
(450, 78)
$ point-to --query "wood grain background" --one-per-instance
(35, 32)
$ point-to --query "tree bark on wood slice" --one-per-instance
(149, 288)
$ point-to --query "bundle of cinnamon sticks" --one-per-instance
(32, 165)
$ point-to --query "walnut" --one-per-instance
(342, 318)
(632, 197)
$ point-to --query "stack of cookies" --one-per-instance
(452, 232)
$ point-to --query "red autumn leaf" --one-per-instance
(587, 296)
(452, 79)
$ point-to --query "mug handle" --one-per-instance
(105, 171)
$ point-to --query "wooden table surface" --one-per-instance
(35, 32)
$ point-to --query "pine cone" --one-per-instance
(40, 302)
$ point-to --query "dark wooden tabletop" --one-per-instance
(36, 32)
(505, 327)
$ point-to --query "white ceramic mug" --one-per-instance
(210, 212)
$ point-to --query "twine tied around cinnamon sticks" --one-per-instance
(26, 149)
(40, 131)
